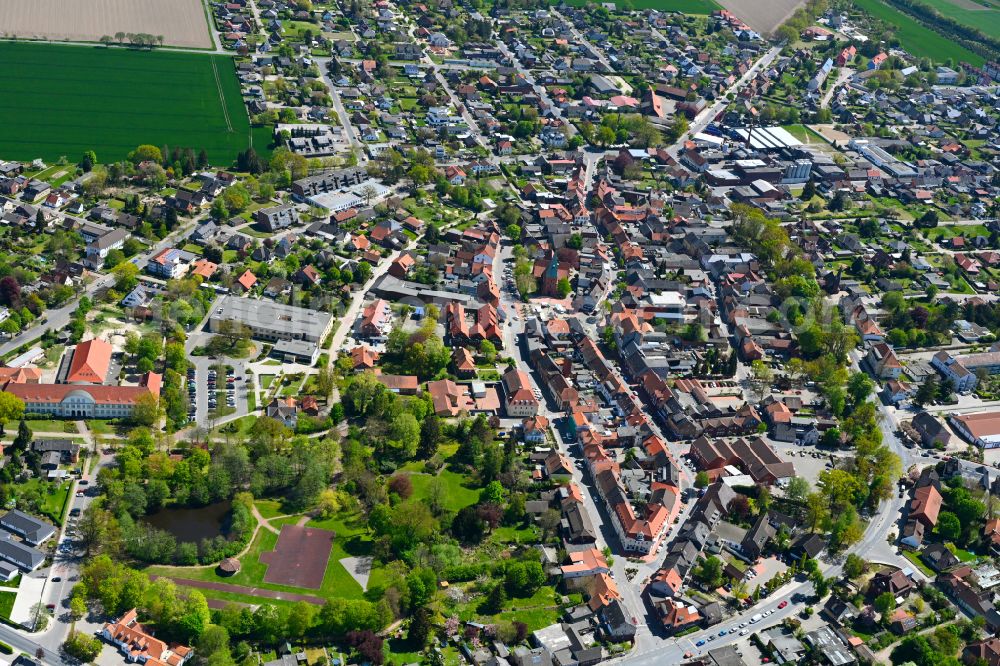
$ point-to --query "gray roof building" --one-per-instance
(29, 528)
(20, 554)
(272, 321)
(825, 642)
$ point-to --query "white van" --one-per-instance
(756, 618)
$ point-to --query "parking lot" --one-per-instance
(209, 392)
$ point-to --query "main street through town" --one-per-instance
(650, 649)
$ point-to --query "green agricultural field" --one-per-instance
(985, 19)
(915, 38)
(62, 100)
(683, 6)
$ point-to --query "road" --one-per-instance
(338, 105)
(709, 113)
(844, 74)
(58, 318)
(606, 536)
(66, 567)
(581, 40)
(540, 90)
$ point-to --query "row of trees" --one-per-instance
(142, 39)
(184, 616)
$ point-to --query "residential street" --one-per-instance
(58, 318)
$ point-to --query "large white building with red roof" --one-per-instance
(84, 401)
(141, 647)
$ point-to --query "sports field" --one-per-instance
(62, 100)
(970, 13)
(915, 38)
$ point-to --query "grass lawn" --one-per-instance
(7, 603)
(506, 534)
(53, 497)
(915, 38)
(14, 582)
(265, 381)
(986, 20)
(457, 495)
(352, 540)
(537, 611)
(963, 555)
(100, 427)
(242, 424)
(269, 508)
(69, 99)
(41, 426)
(918, 563)
(804, 134)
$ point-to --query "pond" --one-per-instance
(192, 525)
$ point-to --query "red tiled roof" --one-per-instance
(91, 361)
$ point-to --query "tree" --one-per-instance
(300, 619)
(77, 607)
(401, 485)
(328, 503)
(605, 136)
(859, 387)
(495, 601)
(82, 647)
(146, 411)
(854, 566)
(146, 153)
(325, 381)
(420, 627)
(949, 526)
(214, 640)
(816, 510)
(430, 436)
(885, 603)
(126, 277)
(761, 377)
(488, 351)
(926, 392)
(549, 521)
(928, 220)
(563, 287)
(23, 438)
(797, 489)
(11, 409)
(10, 292)
(701, 479)
(40, 617)
(97, 529)
(368, 645)
(493, 493)
(709, 572)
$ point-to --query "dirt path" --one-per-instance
(261, 521)
(248, 591)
